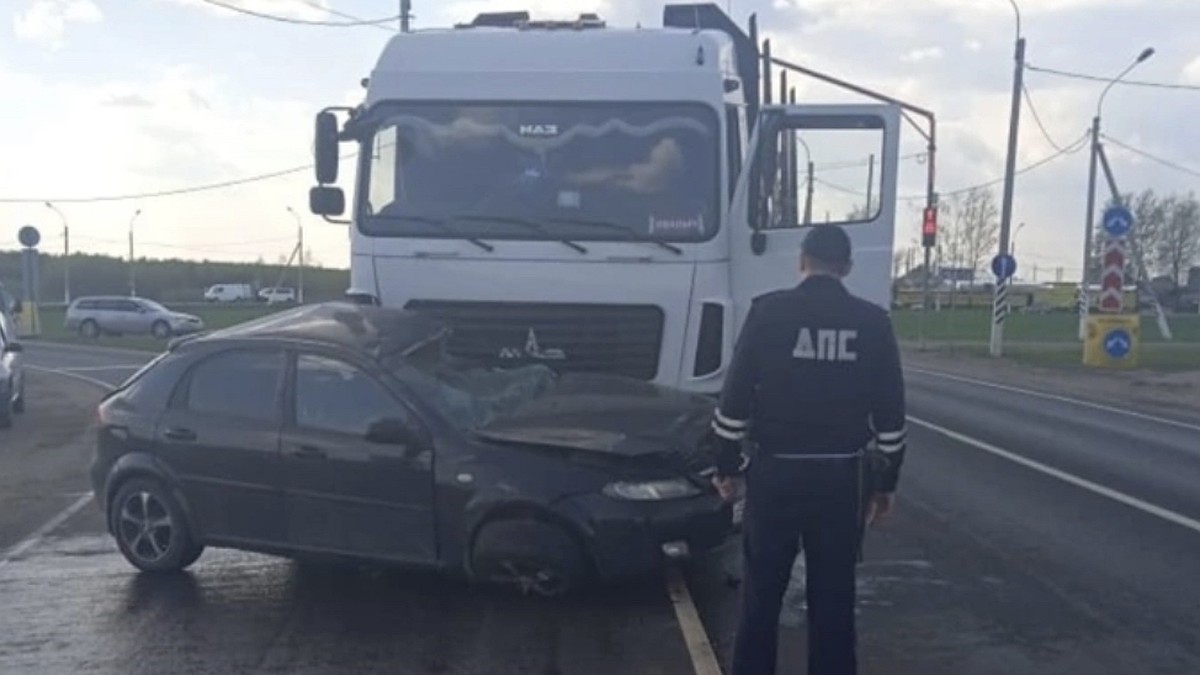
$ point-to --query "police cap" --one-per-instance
(828, 244)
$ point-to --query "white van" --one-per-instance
(229, 293)
(278, 294)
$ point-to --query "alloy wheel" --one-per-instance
(146, 527)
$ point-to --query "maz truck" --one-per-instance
(597, 199)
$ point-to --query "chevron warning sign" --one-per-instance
(1112, 280)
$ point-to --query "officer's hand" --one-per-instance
(880, 507)
(726, 487)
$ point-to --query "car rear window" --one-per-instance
(150, 387)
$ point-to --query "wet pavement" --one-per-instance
(988, 567)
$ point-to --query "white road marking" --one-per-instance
(1115, 495)
(82, 378)
(1059, 398)
(62, 516)
(704, 660)
(34, 539)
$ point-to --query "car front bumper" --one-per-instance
(632, 538)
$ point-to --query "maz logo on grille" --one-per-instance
(533, 350)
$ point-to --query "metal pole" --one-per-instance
(808, 197)
(66, 253)
(1084, 295)
(405, 12)
(132, 267)
(66, 265)
(1000, 303)
(299, 256)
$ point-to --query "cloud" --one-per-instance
(129, 101)
(44, 22)
(1191, 72)
(922, 54)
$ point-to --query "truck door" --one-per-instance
(811, 165)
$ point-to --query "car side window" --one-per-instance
(335, 396)
(242, 384)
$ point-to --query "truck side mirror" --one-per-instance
(327, 201)
(325, 150)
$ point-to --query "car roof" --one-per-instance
(380, 332)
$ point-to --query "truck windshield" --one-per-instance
(651, 169)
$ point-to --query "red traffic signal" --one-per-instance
(929, 227)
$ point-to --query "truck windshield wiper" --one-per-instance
(523, 222)
(440, 223)
(634, 235)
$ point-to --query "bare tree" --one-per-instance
(976, 222)
(1177, 246)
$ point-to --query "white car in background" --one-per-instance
(229, 293)
(277, 295)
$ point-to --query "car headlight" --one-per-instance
(654, 490)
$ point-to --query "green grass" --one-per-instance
(1152, 356)
(215, 317)
(966, 325)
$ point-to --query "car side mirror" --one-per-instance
(327, 201)
(391, 431)
(14, 347)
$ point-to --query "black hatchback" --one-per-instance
(347, 430)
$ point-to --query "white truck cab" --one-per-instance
(598, 199)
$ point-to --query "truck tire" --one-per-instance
(534, 556)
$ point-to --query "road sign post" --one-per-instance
(1004, 266)
(1112, 337)
(29, 321)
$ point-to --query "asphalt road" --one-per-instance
(1034, 535)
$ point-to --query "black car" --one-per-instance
(347, 430)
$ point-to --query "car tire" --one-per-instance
(534, 556)
(150, 527)
(161, 330)
(89, 329)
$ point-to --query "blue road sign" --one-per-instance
(1117, 221)
(1118, 343)
(1004, 266)
(29, 236)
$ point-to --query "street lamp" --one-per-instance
(1014, 239)
(132, 269)
(1084, 299)
(66, 253)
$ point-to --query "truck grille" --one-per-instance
(612, 339)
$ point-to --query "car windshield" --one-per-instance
(470, 396)
(610, 172)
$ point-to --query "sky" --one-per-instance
(119, 97)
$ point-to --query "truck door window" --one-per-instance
(816, 175)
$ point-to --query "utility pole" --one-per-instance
(405, 15)
(132, 267)
(299, 256)
(1000, 302)
(66, 254)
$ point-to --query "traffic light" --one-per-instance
(929, 228)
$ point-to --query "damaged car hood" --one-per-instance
(609, 415)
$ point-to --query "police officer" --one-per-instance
(815, 379)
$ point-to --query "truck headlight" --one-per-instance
(652, 491)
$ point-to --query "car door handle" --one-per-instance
(180, 434)
(308, 452)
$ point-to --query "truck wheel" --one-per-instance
(533, 556)
(89, 329)
(150, 527)
(161, 330)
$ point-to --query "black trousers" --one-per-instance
(789, 502)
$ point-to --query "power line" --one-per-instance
(1038, 119)
(1165, 162)
(1099, 78)
(300, 22)
(344, 15)
(161, 193)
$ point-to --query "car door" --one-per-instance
(220, 437)
(346, 493)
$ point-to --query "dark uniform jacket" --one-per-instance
(816, 371)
